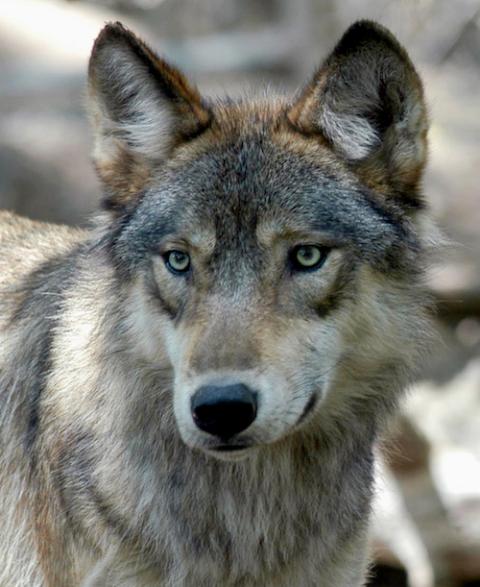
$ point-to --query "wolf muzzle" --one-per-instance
(224, 411)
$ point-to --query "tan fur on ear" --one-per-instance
(141, 108)
(367, 101)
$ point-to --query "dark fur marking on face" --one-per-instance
(155, 292)
(138, 235)
(308, 408)
(229, 447)
(327, 305)
(348, 216)
(393, 215)
(342, 288)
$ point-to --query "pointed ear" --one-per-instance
(367, 102)
(141, 108)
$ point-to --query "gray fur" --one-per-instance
(105, 479)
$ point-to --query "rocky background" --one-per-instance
(427, 515)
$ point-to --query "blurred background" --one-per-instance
(427, 512)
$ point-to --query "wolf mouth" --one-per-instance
(229, 447)
(308, 408)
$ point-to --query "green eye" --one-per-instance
(308, 257)
(177, 261)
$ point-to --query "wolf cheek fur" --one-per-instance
(191, 391)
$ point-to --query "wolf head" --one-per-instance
(271, 248)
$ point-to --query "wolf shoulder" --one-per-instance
(26, 244)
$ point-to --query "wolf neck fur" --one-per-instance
(238, 512)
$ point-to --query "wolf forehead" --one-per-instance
(232, 182)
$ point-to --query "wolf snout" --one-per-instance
(224, 411)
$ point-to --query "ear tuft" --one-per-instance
(367, 101)
(141, 108)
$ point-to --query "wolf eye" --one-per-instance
(308, 257)
(177, 261)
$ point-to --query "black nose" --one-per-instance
(224, 410)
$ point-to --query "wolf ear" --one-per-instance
(141, 107)
(367, 102)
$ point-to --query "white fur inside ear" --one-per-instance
(135, 111)
(353, 135)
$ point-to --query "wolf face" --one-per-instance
(271, 248)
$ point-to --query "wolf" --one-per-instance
(192, 388)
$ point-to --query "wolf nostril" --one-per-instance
(224, 410)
